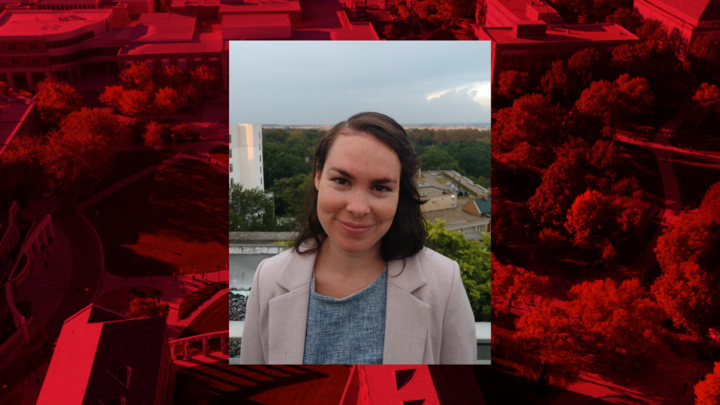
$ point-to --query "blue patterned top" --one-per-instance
(350, 330)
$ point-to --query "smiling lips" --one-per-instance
(355, 229)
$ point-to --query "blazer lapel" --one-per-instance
(288, 312)
(406, 319)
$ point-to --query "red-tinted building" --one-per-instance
(685, 20)
(532, 46)
(103, 358)
(35, 44)
(503, 13)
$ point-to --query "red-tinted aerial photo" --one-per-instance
(606, 197)
(114, 231)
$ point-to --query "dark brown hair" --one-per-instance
(407, 233)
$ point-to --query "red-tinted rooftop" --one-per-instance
(519, 7)
(259, 6)
(576, 33)
(690, 10)
(23, 23)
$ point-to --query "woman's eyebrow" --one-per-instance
(384, 180)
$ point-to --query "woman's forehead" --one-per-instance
(363, 153)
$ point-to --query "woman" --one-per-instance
(358, 287)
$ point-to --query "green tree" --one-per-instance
(289, 193)
(55, 100)
(251, 210)
(146, 307)
(439, 159)
(474, 260)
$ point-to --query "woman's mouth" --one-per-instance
(355, 229)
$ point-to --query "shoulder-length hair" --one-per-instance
(407, 233)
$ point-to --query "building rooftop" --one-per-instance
(258, 6)
(208, 42)
(453, 216)
(195, 3)
(94, 352)
(261, 20)
(16, 23)
(67, 2)
(519, 7)
(690, 10)
(164, 27)
(566, 33)
(478, 206)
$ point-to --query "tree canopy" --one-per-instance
(474, 260)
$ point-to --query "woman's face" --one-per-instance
(358, 192)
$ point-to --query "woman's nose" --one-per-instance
(357, 205)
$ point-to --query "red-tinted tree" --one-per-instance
(512, 284)
(172, 76)
(77, 159)
(133, 102)
(548, 346)
(615, 317)
(627, 18)
(531, 119)
(100, 121)
(604, 156)
(706, 103)
(704, 55)
(633, 59)
(138, 77)
(689, 287)
(634, 96)
(654, 34)
(153, 135)
(604, 224)
(55, 100)
(561, 183)
(555, 82)
(168, 101)
(146, 307)
(707, 391)
(512, 84)
(203, 78)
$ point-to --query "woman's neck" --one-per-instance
(350, 265)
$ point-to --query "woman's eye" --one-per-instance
(381, 188)
(340, 181)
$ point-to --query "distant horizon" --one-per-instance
(422, 124)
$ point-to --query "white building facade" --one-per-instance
(246, 165)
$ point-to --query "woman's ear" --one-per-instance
(317, 177)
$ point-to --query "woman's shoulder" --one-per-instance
(437, 269)
(428, 258)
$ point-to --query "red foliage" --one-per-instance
(615, 316)
(510, 283)
(531, 119)
(548, 346)
(688, 254)
(708, 390)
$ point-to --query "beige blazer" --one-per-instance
(428, 315)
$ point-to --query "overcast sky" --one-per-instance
(325, 82)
